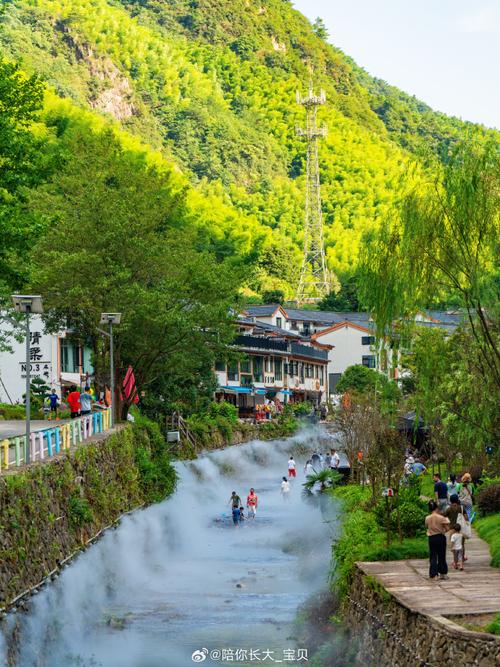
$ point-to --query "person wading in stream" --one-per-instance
(252, 502)
(285, 489)
(235, 502)
(437, 525)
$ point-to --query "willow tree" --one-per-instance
(443, 244)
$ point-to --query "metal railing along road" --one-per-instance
(46, 442)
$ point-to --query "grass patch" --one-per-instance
(488, 529)
(494, 626)
(363, 539)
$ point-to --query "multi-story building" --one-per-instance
(57, 359)
(274, 363)
(349, 337)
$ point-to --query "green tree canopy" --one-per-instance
(21, 166)
(361, 380)
(345, 300)
(116, 241)
(445, 240)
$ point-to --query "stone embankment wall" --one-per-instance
(244, 432)
(49, 511)
(390, 634)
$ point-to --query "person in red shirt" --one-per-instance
(73, 399)
(252, 502)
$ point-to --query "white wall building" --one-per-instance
(354, 344)
(53, 358)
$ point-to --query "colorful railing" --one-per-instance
(52, 440)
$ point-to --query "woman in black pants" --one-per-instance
(437, 527)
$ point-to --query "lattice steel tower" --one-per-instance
(314, 281)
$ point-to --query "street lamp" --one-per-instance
(111, 318)
(28, 304)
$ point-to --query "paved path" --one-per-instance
(476, 590)
(12, 427)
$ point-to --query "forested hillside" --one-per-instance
(208, 87)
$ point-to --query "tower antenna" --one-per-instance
(314, 283)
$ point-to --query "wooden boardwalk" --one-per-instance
(476, 590)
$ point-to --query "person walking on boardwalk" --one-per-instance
(466, 494)
(437, 526)
(453, 487)
(440, 492)
(456, 514)
(457, 541)
(252, 502)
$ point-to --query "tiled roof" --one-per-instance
(263, 326)
(264, 311)
(446, 316)
(446, 326)
(325, 317)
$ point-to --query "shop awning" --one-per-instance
(261, 392)
(236, 390)
(287, 392)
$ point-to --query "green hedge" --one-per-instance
(8, 411)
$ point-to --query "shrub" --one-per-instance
(488, 500)
(224, 409)
(8, 411)
(412, 515)
(494, 626)
(79, 512)
(486, 482)
(301, 409)
(326, 478)
(225, 427)
(157, 477)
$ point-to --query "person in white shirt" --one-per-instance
(309, 468)
(285, 489)
(291, 467)
(334, 460)
(457, 547)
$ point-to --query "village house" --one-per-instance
(57, 359)
(349, 337)
(276, 363)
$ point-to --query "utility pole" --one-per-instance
(314, 282)
(110, 319)
(28, 304)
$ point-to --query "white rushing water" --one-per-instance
(178, 577)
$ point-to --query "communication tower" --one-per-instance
(314, 282)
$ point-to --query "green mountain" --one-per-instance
(209, 87)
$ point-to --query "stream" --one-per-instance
(177, 583)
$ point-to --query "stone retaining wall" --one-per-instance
(390, 634)
(49, 511)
